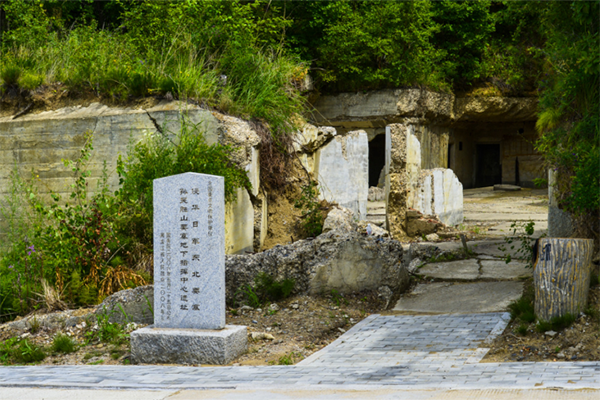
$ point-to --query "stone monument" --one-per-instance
(189, 276)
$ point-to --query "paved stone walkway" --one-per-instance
(398, 351)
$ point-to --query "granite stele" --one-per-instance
(189, 276)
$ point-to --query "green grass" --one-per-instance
(556, 323)
(16, 351)
(259, 83)
(63, 344)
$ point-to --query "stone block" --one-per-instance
(440, 193)
(153, 345)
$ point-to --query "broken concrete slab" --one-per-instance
(345, 160)
(500, 270)
(460, 298)
(461, 270)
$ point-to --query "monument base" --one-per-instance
(188, 346)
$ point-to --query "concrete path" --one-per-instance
(500, 208)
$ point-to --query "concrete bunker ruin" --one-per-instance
(435, 145)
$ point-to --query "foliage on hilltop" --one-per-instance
(122, 48)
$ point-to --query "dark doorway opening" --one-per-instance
(488, 170)
(376, 159)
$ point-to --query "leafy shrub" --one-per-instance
(312, 216)
(63, 344)
(106, 331)
(521, 232)
(162, 154)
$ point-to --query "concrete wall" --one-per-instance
(513, 145)
(434, 145)
(38, 142)
(342, 170)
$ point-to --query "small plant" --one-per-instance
(521, 232)
(522, 309)
(63, 344)
(108, 332)
(312, 215)
(34, 325)
(271, 289)
(336, 297)
(251, 297)
(290, 359)
(522, 330)
(443, 257)
(265, 289)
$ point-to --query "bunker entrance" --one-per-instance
(376, 160)
(488, 170)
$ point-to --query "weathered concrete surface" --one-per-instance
(398, 188)
(500, 270)
(495, 109)
(260, 393)
(460, 298)
(461, 270)
(431, 191)
(381, 107)
(498, 210)
(475, 269)
(339, 218)
(342, 169)
(39, 142)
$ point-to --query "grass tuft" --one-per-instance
(63, 344)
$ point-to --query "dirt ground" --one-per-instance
(281, 333)
(579, 342)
